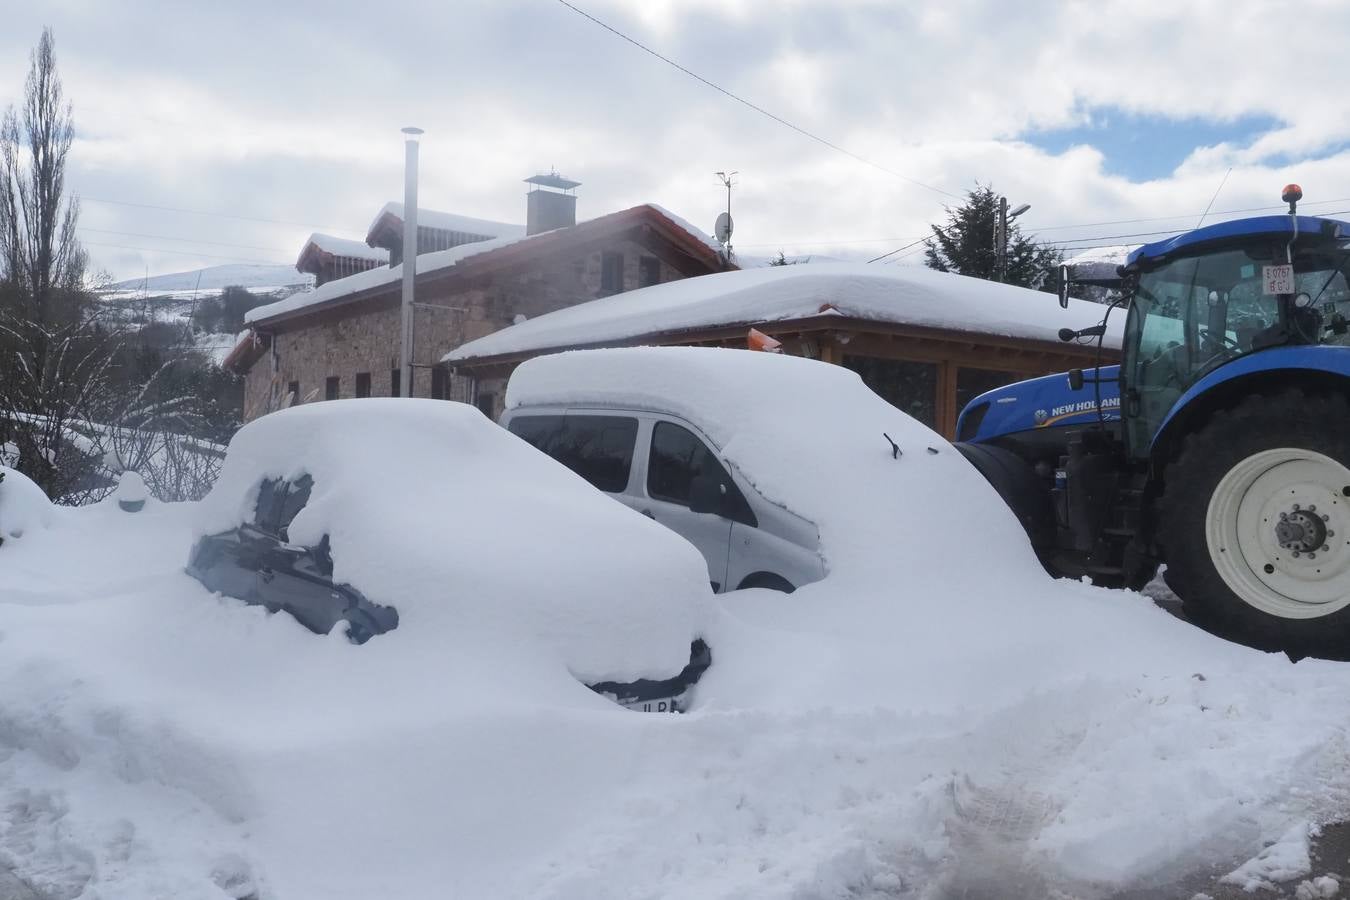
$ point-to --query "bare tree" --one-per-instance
(54, 353)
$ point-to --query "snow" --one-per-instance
(213, 279)
(23, 505)
(502, 541)
(1104, 255)
(1320, 888)
(345, 247)
(896, 295)
(935, 718)
(430, 218)
(1284, 860)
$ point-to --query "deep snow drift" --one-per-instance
(936, 715)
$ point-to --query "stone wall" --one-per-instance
(365, 338)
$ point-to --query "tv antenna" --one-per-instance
(722, 230)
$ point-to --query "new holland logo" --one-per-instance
(1069, 410)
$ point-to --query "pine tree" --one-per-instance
(965, 245)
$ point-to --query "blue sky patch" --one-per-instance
(1143, 147)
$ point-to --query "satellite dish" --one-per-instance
(722, 230)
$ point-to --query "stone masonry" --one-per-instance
(364, 337)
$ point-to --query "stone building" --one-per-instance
(342, 339)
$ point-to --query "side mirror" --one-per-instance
(705, 495)
(1075, 379)
(1064, 287)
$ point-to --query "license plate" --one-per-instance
(663, 705)
(1277, 279)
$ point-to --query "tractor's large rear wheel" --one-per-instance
(1255, 523)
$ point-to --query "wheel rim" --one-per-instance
(1278, 531)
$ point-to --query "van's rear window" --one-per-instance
(598, 448)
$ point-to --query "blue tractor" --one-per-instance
(1219, 446)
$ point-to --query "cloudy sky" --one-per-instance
(212, 133)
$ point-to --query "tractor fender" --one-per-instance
(1016, 482)
(1325, 367)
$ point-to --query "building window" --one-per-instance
(611, 272)
(486, 403)
(395, 382)
(363, 384)
(438, 384)
(331, 386)
(910, 387)
(294, 390)
(649, 271)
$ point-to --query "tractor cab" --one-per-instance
(1212, 296)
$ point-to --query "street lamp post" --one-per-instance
(1001, 234)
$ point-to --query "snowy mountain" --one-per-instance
(216, 278)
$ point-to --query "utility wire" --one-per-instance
(237, 259)
(178, 240)
(1114, 237)
(198, 212)
(1222, 212)
(759, 109)
(898, 249)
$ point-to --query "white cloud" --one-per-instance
(291, 111)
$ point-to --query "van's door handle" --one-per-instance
(648, 514)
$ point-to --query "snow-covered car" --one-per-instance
(375, 516)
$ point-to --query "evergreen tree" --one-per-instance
(965, 245)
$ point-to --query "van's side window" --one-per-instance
(598, 448)
(678, 457)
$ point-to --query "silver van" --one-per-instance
(666, 468)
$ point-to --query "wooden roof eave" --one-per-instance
(807, 325)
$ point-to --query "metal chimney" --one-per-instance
(409, 258)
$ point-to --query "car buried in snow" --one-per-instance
(371, 517)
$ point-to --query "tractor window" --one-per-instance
(1188, 317)
(1196, 313)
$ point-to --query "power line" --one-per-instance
(236, 259)
(1139, 234)
(898, 249)
(759, 109)
(199, 212)
(1222, 212)
(167, 237)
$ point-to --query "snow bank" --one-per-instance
(937, 718)
(472, 535)
(904, 295)
(23, 505)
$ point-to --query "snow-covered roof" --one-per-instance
(901, 295)
(443, 259)
(345, 247)
(431, 218)
(1112, 255)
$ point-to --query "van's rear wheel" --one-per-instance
(1256, 523)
